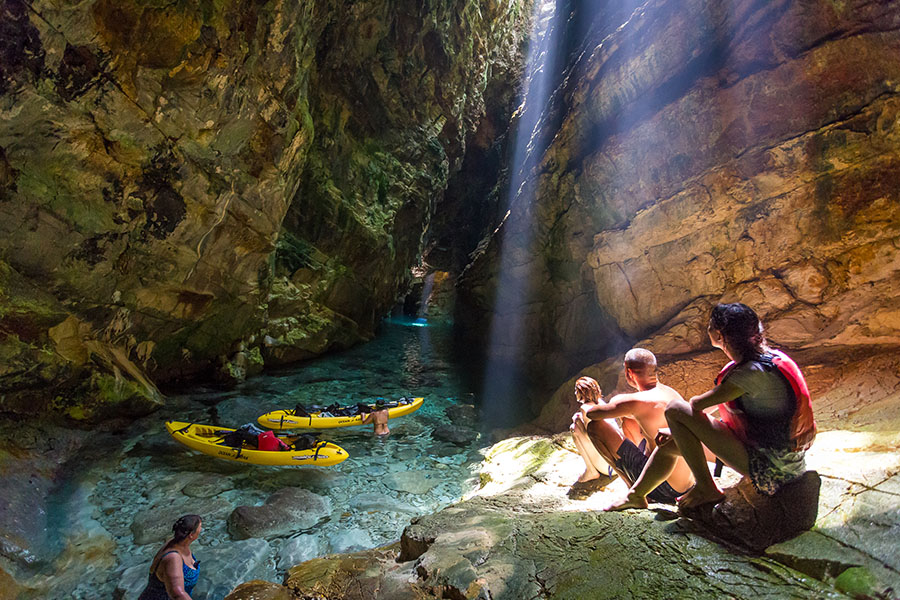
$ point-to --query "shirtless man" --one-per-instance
(379, 417)
(628, 452)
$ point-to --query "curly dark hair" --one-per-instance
(741, 328)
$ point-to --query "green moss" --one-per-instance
(254, 356)
(857, 582)
(50, 183)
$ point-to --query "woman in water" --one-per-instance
(174, 570)
(766, 422)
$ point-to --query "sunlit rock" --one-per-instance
(260, 590)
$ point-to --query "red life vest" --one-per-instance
(267, 441)
(802, 427)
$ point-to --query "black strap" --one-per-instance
(717, 471)
(319, 447)
(185, 428)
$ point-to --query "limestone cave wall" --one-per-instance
(711, 151)
(189, 188)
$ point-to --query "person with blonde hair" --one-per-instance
(596, 471)
(627, 449)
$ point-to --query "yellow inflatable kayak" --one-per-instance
(289, 419)
(210, 440)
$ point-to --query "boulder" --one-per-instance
(455, 434)
(755, 521)
(9, 589)
(286, 511)
(462, 414)
(260, 590)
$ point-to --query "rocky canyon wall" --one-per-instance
(712, 151)
(199, 187)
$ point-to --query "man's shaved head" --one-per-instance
(641, 362)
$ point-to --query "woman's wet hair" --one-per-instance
(184, 527)
(741, 328)
(589, 388)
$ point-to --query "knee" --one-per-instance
(677, 411)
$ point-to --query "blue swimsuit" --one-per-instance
(156, 589)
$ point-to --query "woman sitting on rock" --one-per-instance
(174, 570)
(766, 422)
(587, 392)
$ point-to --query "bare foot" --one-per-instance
(632, 500)
(588, 476)
(698, 497)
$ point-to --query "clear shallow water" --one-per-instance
(108, 512)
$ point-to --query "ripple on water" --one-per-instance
(149, 480)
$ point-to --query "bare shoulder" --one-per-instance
(668, 392)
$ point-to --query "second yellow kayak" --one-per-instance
(287, 419)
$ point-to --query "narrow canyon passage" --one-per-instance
(212, 210)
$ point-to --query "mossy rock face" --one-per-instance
(170, 165)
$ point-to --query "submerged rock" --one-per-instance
(155, 524)
(297, 550)
(375, 502)
(207, 485)
(286, 511)
(455, 434)
(232, 563)
(132, 581)
(411, 482)
(350, 541)
(465, 415)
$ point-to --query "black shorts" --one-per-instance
(631, 462)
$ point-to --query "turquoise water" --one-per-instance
(110, 517)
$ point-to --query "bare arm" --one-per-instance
(720, 394)
(620, 406)
(368, 419)
(174, 577)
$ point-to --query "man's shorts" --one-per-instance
(632, 460)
